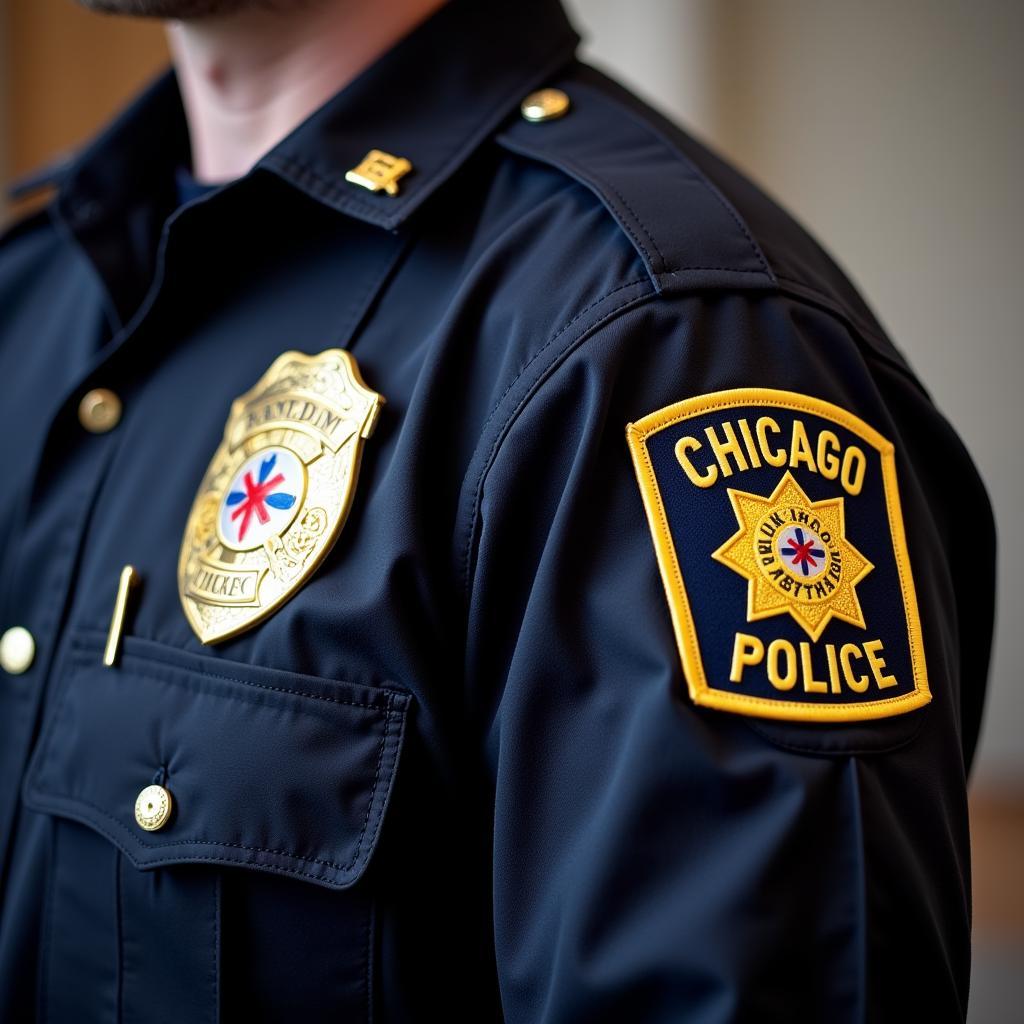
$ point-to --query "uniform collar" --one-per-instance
(432, 99)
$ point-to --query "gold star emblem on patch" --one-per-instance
(796, 556)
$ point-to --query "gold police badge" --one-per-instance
(277, 491)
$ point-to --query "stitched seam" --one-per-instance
(276, 868)
(373, 788)
(595, 183)
(561, 330)
(478, 488)
(914, 695)
(44, 755)
(727, 206)
(701, 178)
(167, 845)
(647, 231)
(696, 266)
(189, 684)
(597, 186)
(181, 660)
(376, 282)
(51, 730)
(577, 170)
(591, 186)
(81, 662)
(326, 188)
(572, 167)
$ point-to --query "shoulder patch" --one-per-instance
(778, 532)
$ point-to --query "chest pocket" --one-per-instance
(248, 901)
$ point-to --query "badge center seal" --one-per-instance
(796, 556)
(277, 491)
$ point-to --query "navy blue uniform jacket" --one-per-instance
(541, 740)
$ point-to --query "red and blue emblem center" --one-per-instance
(263, 498)
(802, 552)
(258, 494)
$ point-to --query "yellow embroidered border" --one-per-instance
(672, 577)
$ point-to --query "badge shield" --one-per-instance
(277, 491)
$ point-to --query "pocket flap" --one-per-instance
(267, 769)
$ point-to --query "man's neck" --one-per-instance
(247, 79)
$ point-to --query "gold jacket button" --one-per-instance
(545, 105)
(17, 650)
(153, 808)
(99, 410)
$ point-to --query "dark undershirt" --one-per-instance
(188, 188)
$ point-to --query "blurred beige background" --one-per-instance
(893, 130)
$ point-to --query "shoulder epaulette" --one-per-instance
(686, 232)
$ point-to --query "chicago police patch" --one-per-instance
(777, 526)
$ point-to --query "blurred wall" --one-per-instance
(894, 132)
(65, 70)
(5, 131)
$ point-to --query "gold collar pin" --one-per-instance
(379, 172)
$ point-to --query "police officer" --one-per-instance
(466, 552)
